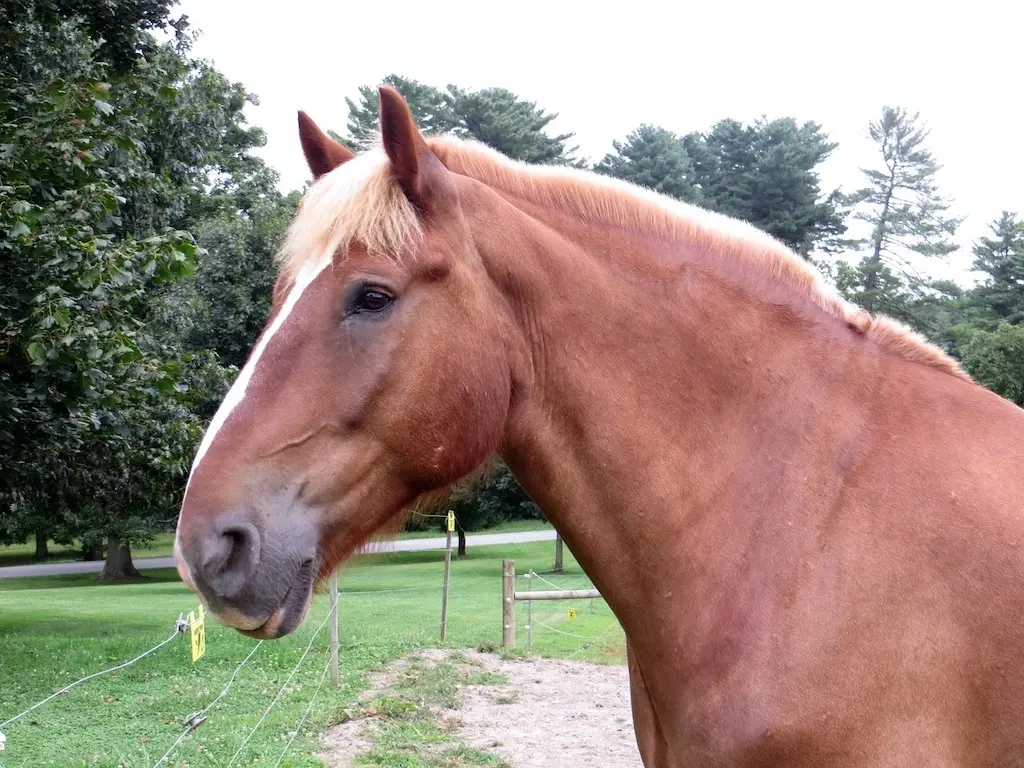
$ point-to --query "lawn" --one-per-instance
(162, 544)
(54, 630)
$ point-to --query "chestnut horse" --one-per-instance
(807, 519)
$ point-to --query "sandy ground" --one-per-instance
(550, 712)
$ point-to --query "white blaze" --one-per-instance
(237, 393)
(341, 184)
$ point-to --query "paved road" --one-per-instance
(402, 545)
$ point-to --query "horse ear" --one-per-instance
(323, 154)
(416, 168)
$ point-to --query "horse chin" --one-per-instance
(292, 611)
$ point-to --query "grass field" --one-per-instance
(54, 630)
(162, 544)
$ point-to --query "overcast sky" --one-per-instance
(680, 65)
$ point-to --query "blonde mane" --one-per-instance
(360, 202)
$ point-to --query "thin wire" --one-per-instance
(382, 591)
(191, 727)
(232, 680)
(556, 586)
(302, 720)
(281, 690)
(597, 637)
(177, 741)
(90, 677)
(562, 631)
(535, 575)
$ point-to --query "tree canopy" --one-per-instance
(116, 147)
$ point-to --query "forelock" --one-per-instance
(358, 202)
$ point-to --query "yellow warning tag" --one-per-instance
(451, 521)
(572, 614)
(197, 630)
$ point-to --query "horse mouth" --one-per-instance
(293, 609)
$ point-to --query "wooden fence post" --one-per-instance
(529, 614)
(508, 605)
(447, 574)
(334, 629)
(558, 552)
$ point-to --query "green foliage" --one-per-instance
(907, 215)
(431, 107)
(874, 286)
(980, 326)
(655, 158)
(493, 116)
(229, 303)
(989, 324)
(495, 499)
(514, 127)
(187, 126)
(1001, 258)
(71, 285)
(97, 403)
(120, 27)
(765, 174)
(996, 359)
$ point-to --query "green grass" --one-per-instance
(54, 630)
(163, 543)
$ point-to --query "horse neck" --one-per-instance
(654, 385)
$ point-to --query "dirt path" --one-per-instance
(527, 713)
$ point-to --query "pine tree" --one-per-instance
(766, 174)
(513, 126)
(1001, 258)
(493, 116)
(432, 108)
(902, 204)
(652, 157)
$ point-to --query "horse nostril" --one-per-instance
(231, 554)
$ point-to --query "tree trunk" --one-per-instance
(119, 561)
(462, 543)
(558, 553)
(41, 547)
(92, 551)
(878, 238)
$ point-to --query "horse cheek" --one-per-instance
(462, 425)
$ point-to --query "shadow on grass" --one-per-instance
(67, 581)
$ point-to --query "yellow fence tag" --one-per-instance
(451, 522)
(572, 614)
(197, 629)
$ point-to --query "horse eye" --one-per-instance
(371, 300)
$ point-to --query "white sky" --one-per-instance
(680, 65)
